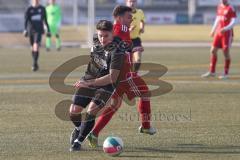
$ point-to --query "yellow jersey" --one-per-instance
(138, 16)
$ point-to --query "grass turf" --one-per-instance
(198, 119)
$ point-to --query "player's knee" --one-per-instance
(75, 113)
(137, 57)
(213, 51)
(93, 109)
(92, 112)
(75, 109)
(35, 47)
(48, 35)
(227, 55)
(226, 51)
(115, 103)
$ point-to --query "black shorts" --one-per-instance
(35, 38)
(137, 42)
(99, 96)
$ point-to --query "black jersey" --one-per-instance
(105, 58)
(35, 17)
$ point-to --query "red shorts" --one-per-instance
(223, 41)
(132, 86)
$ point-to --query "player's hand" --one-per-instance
(141, 31)
(222, 30)
(25, 33)
(80, 84)
(48, 34)
(212, 34)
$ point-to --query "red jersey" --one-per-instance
(122, 31)
(225, 14)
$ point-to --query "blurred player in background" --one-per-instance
(35, 17)
(133, 85)
(222, 33)
(54, 16)
(136, 29)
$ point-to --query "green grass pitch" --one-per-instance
(198, 119)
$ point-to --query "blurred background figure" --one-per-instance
(54, 16)
(136, 29)
(35, 17)
(222, 33)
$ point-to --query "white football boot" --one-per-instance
(208, 75)
(150, 131)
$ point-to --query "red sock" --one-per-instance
(103, 120)
(227, 66)
(213, 63)
(145, 111)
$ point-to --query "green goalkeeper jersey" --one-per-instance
(54, 14)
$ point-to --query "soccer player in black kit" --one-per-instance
(35, 17)
(105, 69)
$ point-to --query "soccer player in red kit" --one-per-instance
(133, 85)
(222, 31)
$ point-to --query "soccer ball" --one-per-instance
(113, 146)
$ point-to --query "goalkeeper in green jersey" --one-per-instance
(54, 17)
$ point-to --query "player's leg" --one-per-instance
(137, 53)
(213, 57)
(213, 60)
(86, 126)
(58, 39)
(144, 108)
(81, 99)
(104, 119)
(36, 41)
(31, 40)
(55, 31)
(227, 63)
(227, 41)
(76, 118)
(58, 42)
(107, 114)
(97, 103)
(140, 89)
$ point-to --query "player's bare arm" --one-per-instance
(142, 26)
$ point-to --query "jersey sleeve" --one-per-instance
(26, 19)
(117, 61)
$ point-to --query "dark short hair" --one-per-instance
(121, 10)
(104, 25)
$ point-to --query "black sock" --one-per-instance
(86, 127)
(137, 66)
(76, 119)
(35, 56)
